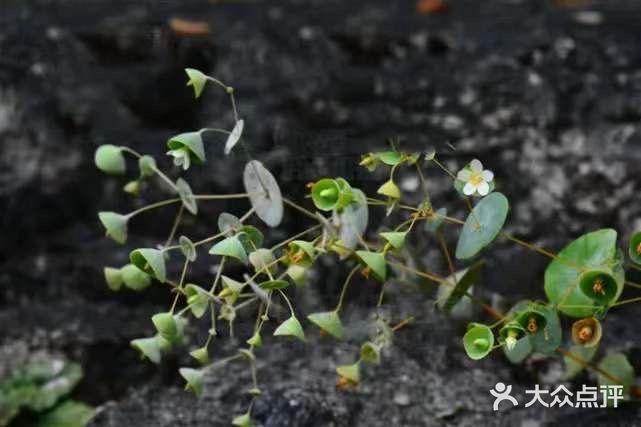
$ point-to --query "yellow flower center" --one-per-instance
(531, 324)
(585, 333)
(639, 249)
(598, 287)
(476, 178)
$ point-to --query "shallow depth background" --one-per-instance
(547, 95)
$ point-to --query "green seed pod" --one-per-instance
(325, 194)
(599, 284)
(587, 332)
(109, 159)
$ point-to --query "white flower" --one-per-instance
(510, 342)
(181, 157)
(476, 179)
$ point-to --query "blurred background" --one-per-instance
(546, 93)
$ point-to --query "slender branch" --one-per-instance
(344, 290)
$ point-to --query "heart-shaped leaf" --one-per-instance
(291, 327)
(350, 372)
(201, 355)
(148, 348)
(109, 159)
(482, 226)
(151, 261)
(390, 189)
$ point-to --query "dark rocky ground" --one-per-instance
(548, 98)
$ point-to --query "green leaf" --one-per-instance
(194, 379)
(262, 259)
(233, 285)
(375, 262)
(54, 388)
(461, 282)
(115, 225)
(264, 193)
(390, 158)
(325, 193)
(297, 274)
(482, 225)
(166, 325)
(148, 347)
(521, 350)
(113, 277)
(255, 340)
(228, 223)
(147, 166)
(353, 220)
(197, 80)
(187, 248)
(301, 253)
(187, 196)
(201, 355)
(478, 341)
(595, 250)
(151, 261)
(549, 337)
(617, 365)
(371, 352)
(350, 372)
(345, 194)
(109, 159)
(634, 249)
(243, 420)
(192, 142)
(329, 322)
(395, 238)
(251, 237)
(572, 367)
(390, 189)
(272, 285)
(198, 300)
(134, 278)
(290, 327)
(68, 414)
(230, 247)
(234, 136)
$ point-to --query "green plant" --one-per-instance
(584, 280)
(41, 388)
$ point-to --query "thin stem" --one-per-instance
(289, 304)
(180, 285)
(296, 236)
(249, 213)
(627, 301)
(153, 206)
(300, 209)
(530, 246)
(343, 291)
(218, 130)
(403, 323)
(589, 364)
(446, 253)
(219, 272)
(174, 227)
(446, 170)
(632, 284)
(221, 196)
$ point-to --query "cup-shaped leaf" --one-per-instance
(187, 248)
(353, 220)
(592, 251)
(572, 366)
(291, 328)
(198, 299)
(113, 277)
(115, 225)
(350, 372)
(395, 238)
(147, 166)
(587, 332)
(374, 263)
(510, 333)
(264, 193)
(166, 325)
(345, 194)
(272, 285)
(197, 80)
(298, 274)
(482, 225)
(390, 189)
(329, 322)
(621, 371)
(134, 278)
(301, 253)
(599, 285)
(549, 334)
(228, 223)
(186, 196)
(109, 159)
(201, 355)
(390, 158)
(532, 318)
(151, 261)
(243, 420)
(251, 237)
(325, 194)
(192, 142)
(234, 136)
(233, 285)
(194, 380)
(263, 261)
(230, 247)
(148, 348)
(478, 341)
(371, 352)
(255, 340)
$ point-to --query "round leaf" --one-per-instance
(151, 261)
(595, 250)
(186, 196)
(390, 158)
(290, 327)
(548, 337)
(234, 136)
(115, 225)
(109, 159)
(134, 278)
(328, 322)
(482, 225)
(478, 341)
(264, 193)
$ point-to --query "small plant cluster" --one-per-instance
(39, 389)
(583, 281)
